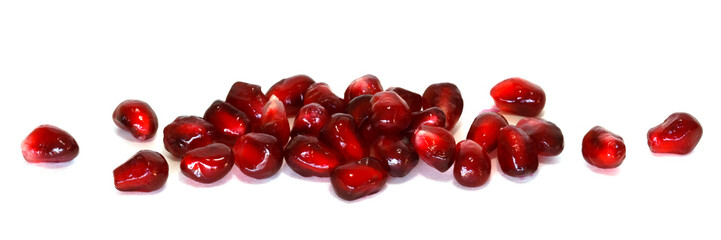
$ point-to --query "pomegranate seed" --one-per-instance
(146, 171)
(395, 153)
(391, 114)
(207, 164)
(358, 179)
(275, 121)
(678, 134)
(310, 120)
(435, 146)
(414, 100)
(602, 148)
(341, 133)
(290, 92)
(473, 166)
(486, 128)
(367, 84)
(187, 133)
(258, 155)
(48, 143)
(249, 99)
(136, 117)
(320, 93)
(229, 122)
(447, 97)
(368, 132)
(432, 117)
(360, 109)
(519, 96)
(307, 156)
(516, 152)
(546, 135)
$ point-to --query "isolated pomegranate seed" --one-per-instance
(249, 99)
(358, 179)
(207, 164)
(310, 120)
(290, 91)
(432, 117)
(320, 93)
(360, 109)
(136, 117)
(48, 143)
(341, 134)
(146, 171)
(229, 122)
(473, 166)
(516, 152)
(435, 146)
(275, 121)
(391, 114)
(447, 97)
(414, 100)
(519, 96)
(187, 133)
(546, 135)
(258, 155)
(395, 153)
(486, 128)
(602, 148)
(367, 84)
(678, 134)
(307, 156)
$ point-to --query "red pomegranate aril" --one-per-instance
(290, 91)
(187, 133)
(146, 171)
(602, 148)
(519, 96)
(248, 98)
(368, 132)
(414, 100)
(391, 114)
(358, 179)
(321, 93)
(546, 135)
(447, 97)
(360, 109)
(473, 166)
(486, 128)
(516, 152)
(435, 146)
(308, 157)
(48, 143)
(258, 155)
(275, 121)
(341, 134)
(136, 117)
(367, 84)
(432, 117)
(229, 122)
(207, 164)
(310, 120)
(395, 153)
(678, 134)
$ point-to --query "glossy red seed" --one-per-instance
(290, 91)
(207, 164)
(146, 171)
(516, 152)
(187, 133)
(310, 120)
(275, 121)
(546, 135)
(435, 146)
(48, 143)
(473, 166)
(432, 117)
(602, 148)
(358, 179)
(519, 96)
(447, 97)
(341, 134)
(367, 84)
(368, 132)
(229, 122)
(360, 109)
(258, 155)
(395, 153)
(391, 114)
(136, 117)
(678, 134)
(486, 128)
(321, 93)
(249, 99)
(308, 157)
(414, 100)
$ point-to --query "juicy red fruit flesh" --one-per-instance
(678, 134)
(519, 96)
(516, 152)
(341, 134)
(308, 157)
(391, 113)
(486, 128)
(395, 153)
(447, 97)
(229, 122)
(602, 148)
(414, 100)
(48, 143)
(207, 164)
(432, 117)
(473, 166)
(358, 179)
(258, 155)
(136, 117)
(310, 120)
(187, 133)
(367, 84)
(546, 135)
(146, 171)
(290, 91)
(275, 121)
(321, 93)
(435, 146)
(249, 99)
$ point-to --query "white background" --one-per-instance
(625, 65)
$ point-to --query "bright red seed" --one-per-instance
(48, 143)
(187, 133)
(447, 97)
(546, 135)
(473, 166)
(391, 114)
(519, 96)
(307, 156)
(395, 153)
(603, 149)
(258, 155)
(367, 84)
(414, 100)
(358, 179)
(321, 93)
(341, 134)
(486, 128)
(310, 120)
(290, 91)
(249, 99)
(678, 134)
(275, 121)
(516, 152)
(432, 117)
(207, 164)
(229, 122)
(435, 146)
(360, 109)
(136, 117)
(146, 171)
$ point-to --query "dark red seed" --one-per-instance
(395, 153)
(435, 146)
(516, 152)
(546, 135)
(414, 100)
(391, 114)
(258, 155)
(602, 148)
(519, 96)
(360, 109)
(678, 134)
(368, 133)
(486, 128)
(447, 97)
(307, 156)
(48, 143)
(473, 166)
(136, 117)
(207, 164)
(358, 179)
(146, 171)
(310, 120)
(367, 84)
(249, 99)
(432, 117)
(341, 134)
(275, 121)
(290, 91)
(321, 93)
(229, 122)
(187, 133)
